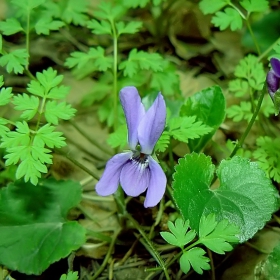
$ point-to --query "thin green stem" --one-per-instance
(266, 52)
(245, 134)
(107, 257)
(154, 252)
(115, 73)
(27, 39)
(95, 143)
(253, 37)
(77, 164)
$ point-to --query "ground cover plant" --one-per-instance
(139, 139)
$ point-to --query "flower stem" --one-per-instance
(115, 73)
(266, 52)
(95, 143)
(27, 40)
(59, 151)
(245, 134)
(253, 37)
(153, 252)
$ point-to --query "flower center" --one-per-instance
(139, 157)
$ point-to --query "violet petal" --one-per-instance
(275, 63)
(134, 112)
(110, 179)
(135, 178)
(273, 83)
(157, 184)
(152, 125)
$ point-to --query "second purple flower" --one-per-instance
(136, 170)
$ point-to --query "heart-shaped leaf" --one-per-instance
(34, 231)
(245, 197)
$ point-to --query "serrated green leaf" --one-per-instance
(39, 214)
(195, 258)
(30, 169)
(73, 13)
(25, 6)
(268, 156)
(45, 25)
(229, 18)
(107, 10)
(41, 154)
(118, 138)
(130, 28)
(241, 112)
(26, 103)
(252, 70)
(255, 5)
(215, 6)
(58, 92)
(49, 78)
(179, 235)
(15, 61)
(95, 56)
(185, 128)
(5, 95)
(55, 111)
(208, 105)
(216, 236)
(244, 193)
(166, 81)
(141, 60)
(47, 136)
(20, 137)
(16, 153)
(34, 87)
(100, 27)
(163, 142)
(10, 26)
(238, 87)
(3, 128)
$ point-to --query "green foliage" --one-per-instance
(70, 12)
(254, 5)
(39, 214)
(185, 128)
(95, 57)
(240, 112)
(270, 268)
(208, 106)
(215, 6)
(195, 258)
(229, 18)
(238, 200)
(27, 146)
(252, 71)
(163, 142)
(135, 4)
(71, 275)
(216, 236)
(179, 236)
(140, 60)
(118, 138)
(15, 61)
(268, 156)
(10, 26)
(45, 25)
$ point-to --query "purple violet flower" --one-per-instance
(273, 77)
(136, 170)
